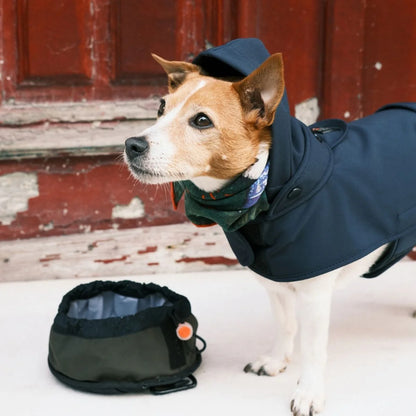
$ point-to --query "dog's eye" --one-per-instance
(201, 121)
(161, 108)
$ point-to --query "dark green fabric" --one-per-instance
(224, 207)
(128, 358)
(160, 384)
(132, 357)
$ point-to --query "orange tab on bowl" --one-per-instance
(184, 331)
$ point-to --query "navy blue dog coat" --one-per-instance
(336, 191)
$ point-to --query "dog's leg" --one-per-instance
(282, 301)
(314, 304)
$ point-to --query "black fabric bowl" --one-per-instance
(118, 337)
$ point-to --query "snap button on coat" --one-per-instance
(294, 193)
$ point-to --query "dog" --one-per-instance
(291, 199)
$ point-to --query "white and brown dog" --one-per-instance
(211, 131)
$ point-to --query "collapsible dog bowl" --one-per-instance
(119, 337)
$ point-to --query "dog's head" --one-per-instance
(207, 127)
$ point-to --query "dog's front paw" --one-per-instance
(308, 401)
(266, 366)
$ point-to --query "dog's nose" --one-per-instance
(136, 146)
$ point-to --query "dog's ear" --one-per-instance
(176, 70)
(261, 91)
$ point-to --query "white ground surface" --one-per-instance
(372, 351)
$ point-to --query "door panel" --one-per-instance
(48, 50)
(138, 31)
(54, 42)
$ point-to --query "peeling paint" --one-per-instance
(135, 209)
(307, 111)
(108, 261)
(85, 228)
(149, 249)
(15, 191)
(378, 66)
(209, 260)
(46, 227)
(97, 243)
(50, 257)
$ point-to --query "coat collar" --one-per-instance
(231, 207)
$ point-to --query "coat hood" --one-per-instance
(241, 57)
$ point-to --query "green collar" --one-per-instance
(231, 207)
